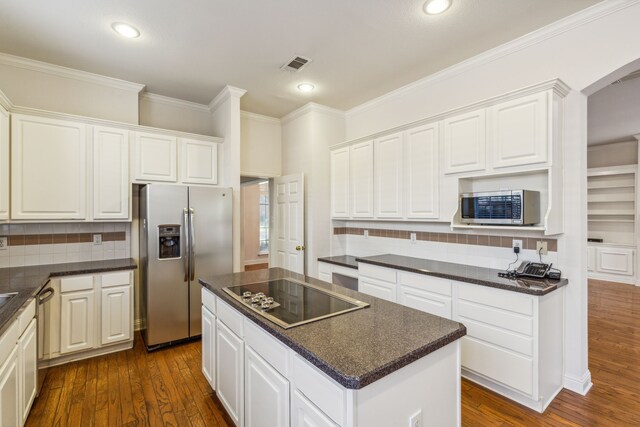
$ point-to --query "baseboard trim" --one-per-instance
(579, 385)
(73, 357)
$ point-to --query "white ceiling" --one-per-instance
(191, 49)
(614, 112)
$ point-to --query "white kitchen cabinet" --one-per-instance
(230, 372)
(77, 313)
(266, 393)
(209, 346)
(425, 296)
(199, 162)
(305, 414)
(111, 193)
(464, 142)
(324, 272)
(4, 164)
(48, 168)
(615, 260)
(389, 176)
(591, 258)
(155, 157)
(361, 179)
(422, 169)
(10, 390)
(377, 288)
(519, 131)
(115, 314)
(340, 183)
(28, 359)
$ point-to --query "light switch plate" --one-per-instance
(4, 243)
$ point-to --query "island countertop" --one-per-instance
(355, 348)
(29, 280)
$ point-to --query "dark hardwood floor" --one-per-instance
(166, 387)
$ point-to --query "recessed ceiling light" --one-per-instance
(306, 87)
(125, 30)
(434, 7)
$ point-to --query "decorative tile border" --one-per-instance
(52, 239)
(463, 239)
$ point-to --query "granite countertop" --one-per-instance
(355, 348)
(28, 281)
(465, 273)
(342, 260)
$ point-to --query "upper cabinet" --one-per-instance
(389, 176)
(464, 142)
(422, 172)
(340, 183)
(48, 168)
(111, 189)
(155, 157)
(361, 177)
(199, 163)
(4, 164)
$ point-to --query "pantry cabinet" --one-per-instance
(48, 168)
(4, 164)
(111, 193)
(389, 176)
(464, 142)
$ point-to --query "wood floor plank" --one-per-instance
(113, 381)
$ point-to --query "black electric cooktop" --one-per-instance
(290, 303)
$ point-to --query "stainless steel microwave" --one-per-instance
(508, 207)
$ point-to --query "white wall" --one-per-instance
(614, 112)
(615, 154)
(170, 113)
(261, 145)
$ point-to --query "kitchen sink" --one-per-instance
(5, 298)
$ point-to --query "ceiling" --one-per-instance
(190, 50)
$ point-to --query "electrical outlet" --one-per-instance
(97, 239)
(541, 245)
(416, 419)
(366, 234)
(516, 244)
(413, 237)
(4, 243)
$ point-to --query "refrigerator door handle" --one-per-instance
(192, 241)
(187, 244)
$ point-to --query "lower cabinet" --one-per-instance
(229, 371)
(209, 346)
(610, 262)
(28, 360)
(266, 393)
(77, 314)
(305, 414)
(10, 390)
(424, 293)
(115, 314)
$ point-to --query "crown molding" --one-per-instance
(259, 117)
(5, 102)
(312, 107)
(637, 137)
(226, 93)
(174, 102)
(568, 23)
(69, 73)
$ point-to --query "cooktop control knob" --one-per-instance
(246, 294)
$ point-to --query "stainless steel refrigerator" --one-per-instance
(185, 233)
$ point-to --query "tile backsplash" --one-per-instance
(36, 244)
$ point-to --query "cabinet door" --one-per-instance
(209, 346)
(423, 300)
(465, 142)
(77, 315)
(266, 393)
(4, 164)
(305, 414)
(110, 173)
(389, 176)
(519, 131)
(340, 183)
(28, 359)
(615, 261)
(361, 177)
(9, 391)
(324, 272)
(48, 168)
(377, 288)
(422, 171)
(591, 258)
(116, 314)
(229, 372)
(155, 157)
(199, 164)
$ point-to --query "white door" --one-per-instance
(199, 162)
(209, 346)
(340, 183)
(116, 314)
(266, 393)
(48, 168)
(77, 313)
(305, 414)
(110, 173)
(361, 180)
(389, 176)
(289, 220)
(4, 164)
(9, 391)
(422, 172)
(464, 142)
(28, 359)
(229, 372)
(155, 157)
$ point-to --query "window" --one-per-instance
(264, 218)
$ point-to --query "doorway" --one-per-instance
(254, 206)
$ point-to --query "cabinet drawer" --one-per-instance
(320, 389)
(500, 337)
(268, 347)
(422, 300)
(116, 279)
(428, 283)
(377, 288)
(209, 300)
(8, 341)
(499, 365)
(73, 284)
(230, 317)
(380, 273)
(26, 315)
(498, 298)
(496, 317)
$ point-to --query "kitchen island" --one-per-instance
(383, 365)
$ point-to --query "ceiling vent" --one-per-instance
(296, 64)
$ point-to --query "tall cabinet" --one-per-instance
(4, 164)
